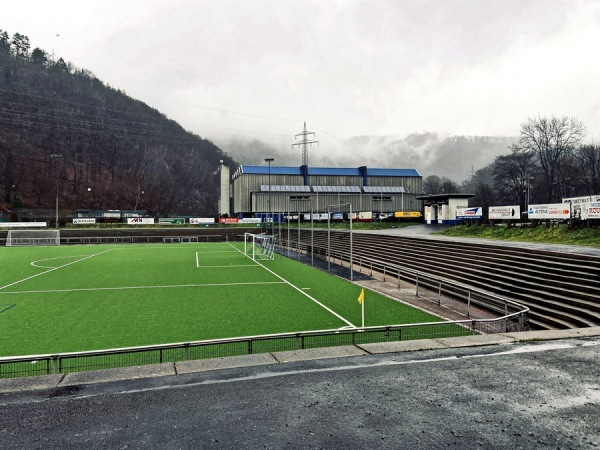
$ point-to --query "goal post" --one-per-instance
(32, 237)
(259, 246)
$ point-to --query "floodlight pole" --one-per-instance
(270, 160)
(56, 156)
(329, 239)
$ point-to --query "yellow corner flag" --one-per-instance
(361, 297)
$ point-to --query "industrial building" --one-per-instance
(256, 190)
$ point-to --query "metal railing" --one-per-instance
(62, 363)
(420, 281)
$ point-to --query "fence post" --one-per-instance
(249, 346)
(440, 294)
(384, 272)
(187, 352)
(469, 303)
(387, 334)
(398, 279)
(299, 342)
(417, 286)
(371, 274)
(54, 359)
(160, 353)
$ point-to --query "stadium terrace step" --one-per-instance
(559, 288)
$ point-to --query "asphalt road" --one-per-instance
(520, 395)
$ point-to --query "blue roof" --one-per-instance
(275, 170)
(393, 173)
(335, 171)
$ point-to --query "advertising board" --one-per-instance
(553, 211)
(407, 214)
(504, 212)
(252, 220)
(84, 220)
(470, 213)
(171, 221)
(201, 220)
(229, 220)
(140, 221)
(23, 224)
(590, 210)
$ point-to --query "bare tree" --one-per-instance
(513, 174)
(552, 140)
(588, 168)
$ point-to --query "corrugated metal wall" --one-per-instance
(249, 199)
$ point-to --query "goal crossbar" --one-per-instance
(32, 237)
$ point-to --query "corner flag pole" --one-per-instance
(361, 300)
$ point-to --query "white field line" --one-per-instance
(302, 292)
(143, 287)
(231, 265)
(34, 263)
(53, 269)
(197, 262)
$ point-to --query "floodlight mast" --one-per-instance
(270, 160)
(56, 156)
(329, 238)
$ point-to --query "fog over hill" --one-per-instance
(430, 153)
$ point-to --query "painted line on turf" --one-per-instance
(34, 263)
(197, 262)
(53, 269)
(301, 291)
(49, 291)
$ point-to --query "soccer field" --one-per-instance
(87, 297)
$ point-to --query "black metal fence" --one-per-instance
(20, 366)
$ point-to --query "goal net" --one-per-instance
(33, 237)
(259, 246)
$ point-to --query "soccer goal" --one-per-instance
(32, 237)
(259, 246)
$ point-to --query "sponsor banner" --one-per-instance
(229, 220)
(407, 214)
(550, 211)
(201, 220)
(337, 216)
(590, 210)
(23, 224)
(365, 216)
(504, 212)
(253, 220)
(171, 221)
(469, 213)
(83, 220)
(140, 221)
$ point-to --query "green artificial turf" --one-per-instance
(76, 298)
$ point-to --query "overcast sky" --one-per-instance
(256, 69)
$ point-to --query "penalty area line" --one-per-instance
(350, 324)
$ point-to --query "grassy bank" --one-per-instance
(554, 235)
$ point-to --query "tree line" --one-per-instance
(61, 128)
(547, 163)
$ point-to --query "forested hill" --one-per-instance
(116, 152)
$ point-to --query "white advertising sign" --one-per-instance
(140, 221)
(22, 224)
(590, 210)
(469, 213)
(83, 220)
(504, 212)
(201, 220)
(253, 220)
(550, 211)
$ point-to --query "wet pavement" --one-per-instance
(540, 394)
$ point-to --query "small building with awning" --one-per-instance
(441, 208)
